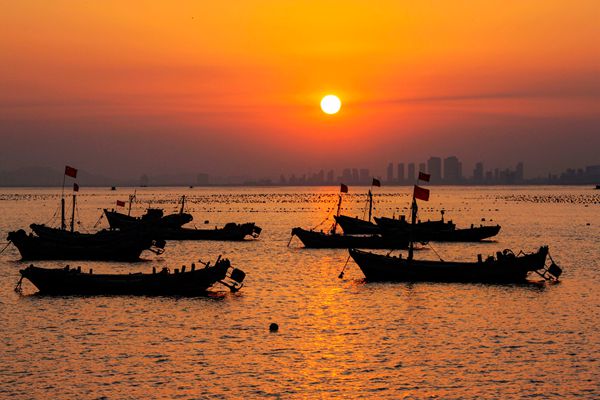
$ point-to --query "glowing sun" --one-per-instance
(331, 104)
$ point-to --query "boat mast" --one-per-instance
(63, 224)
(412, 227)
(339, 207)
(182, 204)
(131, 197)
(370, 204)
(73, 214)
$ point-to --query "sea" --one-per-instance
(337, 338)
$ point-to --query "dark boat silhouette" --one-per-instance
(229, 232)
(153, 218)
(356, 226)
(170, 227)
(46, 243)
(331, 239)
(424, 231)
(437, 230)
(321, 240)
(505, 268)
(69, 281)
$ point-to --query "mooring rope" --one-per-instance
(325, 220)
(341, 275)
(436, 253)
(98, 222)
(5, 247)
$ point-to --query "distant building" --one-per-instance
(434, 168)
(355, 176)
(592, 170)
(410, 176)
(330, 175)
(365, 176)
(520, 173)
(390, 173)
(478, 173)
(400, 174)
(347, 175)
(422, 167)
(452, 170)
(144, 180)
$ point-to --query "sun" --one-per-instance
(331, 104)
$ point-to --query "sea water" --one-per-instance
(337, 338)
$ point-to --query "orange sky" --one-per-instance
(245, 78)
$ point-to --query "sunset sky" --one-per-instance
(233, 87)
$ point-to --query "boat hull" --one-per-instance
(320, 240)
(65, 281)
(505, 268)
(117, 220)
(230, 232)
(56, 244)
(356, 226)
(437, 231)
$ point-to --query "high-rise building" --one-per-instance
(390, 173)
(365, 176)
(520, 173)
(347, 175)
(451, 170)
(355, 175)
(330, 176)
(422, 167)
(400, 175)
(410, 175)
(478, 173)
(434, 168)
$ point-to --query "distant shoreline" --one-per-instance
(335, 185)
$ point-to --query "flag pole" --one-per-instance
(411, 231)
(63, 225)
(73, 213)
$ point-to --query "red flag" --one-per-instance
(343, 188)
(421, 193)
(376, 182)
(424, 177)
(70, 171)
(120, 203)
(75, 187)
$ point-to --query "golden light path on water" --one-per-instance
(337, 338)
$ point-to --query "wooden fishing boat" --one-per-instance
(400, 224)
(170, 227)
(193, 282)
(46, 243)
(331, 239)
(153, 218)
(321, 240)
(356, 226)
(438, 231)
(506, 267)
(230, 232)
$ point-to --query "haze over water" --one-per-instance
(337, 338)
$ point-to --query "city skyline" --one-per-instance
(396, 174)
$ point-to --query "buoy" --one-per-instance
(273, 327)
